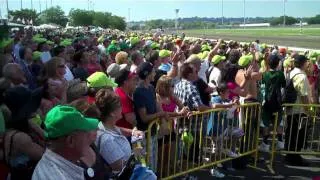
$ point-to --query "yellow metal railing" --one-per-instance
(301, 125)
(190, 146)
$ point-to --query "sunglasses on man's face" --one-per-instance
(61, 66)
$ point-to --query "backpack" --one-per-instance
(290, 93)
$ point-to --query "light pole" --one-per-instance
(40, 5)
(8, 9)
(284, 12)
(222, 12)
(177, 16)
(244, 13)
(31, 5)
(20, 4)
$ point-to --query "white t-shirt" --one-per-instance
(45, 56)
(68, 76)
(215, 75)
(203, 68)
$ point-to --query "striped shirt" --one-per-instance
(113, 145)
(53, 166)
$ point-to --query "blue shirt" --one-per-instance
(144, 98)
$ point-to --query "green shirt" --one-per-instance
(273, 78)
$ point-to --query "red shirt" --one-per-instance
(92, 68)
(127, 107)
(91, 100)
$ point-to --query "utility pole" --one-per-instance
(20, 4)
(31, 5)
(51, 3)
(46, 5)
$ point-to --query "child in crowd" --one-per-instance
(227, 129)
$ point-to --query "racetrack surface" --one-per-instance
(308, 39)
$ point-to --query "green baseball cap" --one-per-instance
(164, 53)
(245, 60)
(217, 59)
(99, 80)
(112, 48)
(36, 55)
(63, 120)
(155, 46)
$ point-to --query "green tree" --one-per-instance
(314, 20)
(54, 15)
(117, 22)
(102, 19)
(23, 15)
(278, 21)
(81, 17)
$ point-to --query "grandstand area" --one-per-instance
(305, 37)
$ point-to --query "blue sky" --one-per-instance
(164, 9)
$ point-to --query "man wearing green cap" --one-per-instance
(70, 135)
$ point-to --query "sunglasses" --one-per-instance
(61, 66)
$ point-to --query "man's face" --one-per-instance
(132, 82)
(18, 77)
(81, 141)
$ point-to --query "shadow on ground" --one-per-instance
(281, 170)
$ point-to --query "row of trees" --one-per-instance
(77, 17)
(197, 22)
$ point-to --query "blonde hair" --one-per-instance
(52, 65)
(121, 57)
(163, 86)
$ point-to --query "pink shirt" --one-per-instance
(231, 86)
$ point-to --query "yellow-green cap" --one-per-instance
(100, 80)
(134, 40)
(203, 55)
(36, 55)
(217, 59)
(287, 62)
(63, 120)
(164, 53)
(245, 60)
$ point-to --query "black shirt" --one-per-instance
(202, 86)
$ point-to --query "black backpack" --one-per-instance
(290, 93)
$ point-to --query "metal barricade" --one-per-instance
(301, 125)
(183, 145)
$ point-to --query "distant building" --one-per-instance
(255, 25)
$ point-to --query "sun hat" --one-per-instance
(99, 80)
(36, 55)
(63, 120)
(217, 59)
(245, 60)
(22, 102)
(164, 53)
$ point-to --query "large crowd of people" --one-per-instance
(72, 103)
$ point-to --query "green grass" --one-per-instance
(271, 31)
